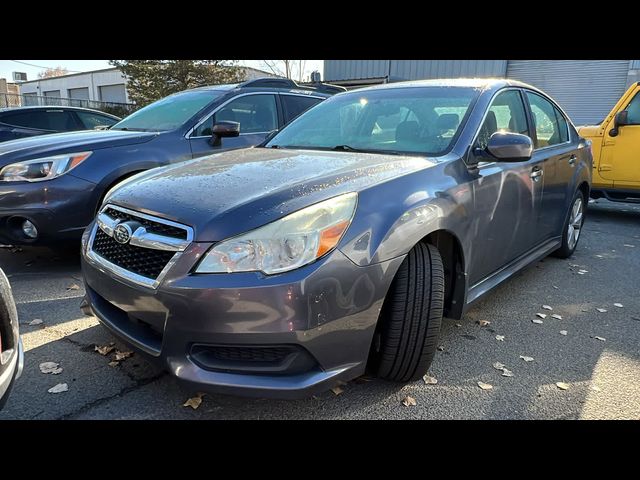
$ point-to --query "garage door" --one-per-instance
(112, 93)
(585, 89)
(79, 93)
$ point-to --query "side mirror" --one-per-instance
(510, 147)
(223, 129)
(620, 120)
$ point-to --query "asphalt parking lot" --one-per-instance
(601, 373)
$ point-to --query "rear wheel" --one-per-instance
(406, 339)
(572, 226)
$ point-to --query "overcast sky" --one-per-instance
(9, 66)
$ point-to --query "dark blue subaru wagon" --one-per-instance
(51, 186)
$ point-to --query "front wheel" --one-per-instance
(406, 339)
(572, 226)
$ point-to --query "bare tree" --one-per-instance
(53, 72)
(293, 69)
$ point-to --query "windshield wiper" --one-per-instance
(349, 148)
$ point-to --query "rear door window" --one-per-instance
(550, 124)
(295, 105)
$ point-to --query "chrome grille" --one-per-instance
(143, 256)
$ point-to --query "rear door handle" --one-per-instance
(572, 160)
(536, 174)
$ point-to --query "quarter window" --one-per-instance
(633, 110)
(254, 113)
(506, 114)
(550, 124)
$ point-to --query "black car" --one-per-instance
(51, 187)
(11, 351)
(31, 121)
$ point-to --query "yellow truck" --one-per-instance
(616, 150)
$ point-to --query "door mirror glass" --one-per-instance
(510, 147)
(621, 119)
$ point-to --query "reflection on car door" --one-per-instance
(257, 114)
(557, 157)
(506, 195)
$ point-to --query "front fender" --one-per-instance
(388, 223)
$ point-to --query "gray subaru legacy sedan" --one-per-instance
(337, 246)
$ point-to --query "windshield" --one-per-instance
(414, 120)
(168, 113)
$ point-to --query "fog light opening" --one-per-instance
(29, 229)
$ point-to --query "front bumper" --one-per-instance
(59, 208)
(327, 311)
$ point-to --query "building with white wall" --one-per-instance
(107, 85)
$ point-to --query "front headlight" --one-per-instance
(286, 244)
(42, 168)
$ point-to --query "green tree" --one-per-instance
(151, 80)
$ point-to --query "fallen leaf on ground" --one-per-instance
(483, 323)
(114, 364)
(485, 386)
(499, 366)
(556, 316)
(59, 388)
(122, 355)
(541, 315)
(507, 373)
(73, 286)
(35, 321)
(104, 350)
(526, 359)
(562, 385)
(619, 305)
(429, 380)
(50, 367)
(602, 339)
(601, 310)
(194, 402)
(563, 332)
(500, 338)
(337, 390)
(537, 320)
(409, 401)
(547, 307)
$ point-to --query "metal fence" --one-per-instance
(12, 100)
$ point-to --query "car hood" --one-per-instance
(233, 192)
(41, 145)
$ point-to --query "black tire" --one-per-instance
(566, 249)
(406, 339)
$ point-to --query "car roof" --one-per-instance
(54, 107)
(479, 83)
(271, 85)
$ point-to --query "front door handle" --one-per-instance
(536, 174)
(572, 160)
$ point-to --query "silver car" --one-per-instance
(338, 245)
